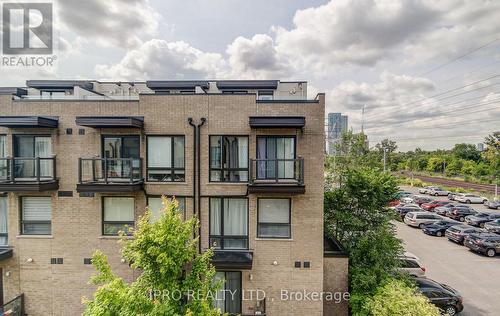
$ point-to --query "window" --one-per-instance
(166, 158)
(274, 218)
(3, 221)
(276, 156)
(32, 146)
(36, 215)
(229, 223)
(155, 206)
(118, 215)
(118, 150)
(228, 298)
(265, 95)
(229, 158)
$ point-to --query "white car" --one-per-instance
(411, 266)
(420, 219)
(425, 190)
(407, 200)
(438, 192)
(470, 198)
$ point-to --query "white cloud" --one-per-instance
(110, 23)
(158, 59)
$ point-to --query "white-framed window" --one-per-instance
(36, 215)
(118, 215)
(155, 206)
(273, 217)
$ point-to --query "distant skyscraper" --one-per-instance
(337, 124)
(480, 146)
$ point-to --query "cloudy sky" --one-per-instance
(427, 72)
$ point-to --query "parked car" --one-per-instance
(425, 190)
(459, 214)
(438, 228)
(404, 209)
(481, 218)
(494, 205)
(458, 233)
(419, 199)
(470, 198)
(401, 194)
(433, 204)
(493, 226)
(420, 219)
(437, 191)
(488, 244)
(411, 266)
(441, 210)
(451, 196)
(447, 299)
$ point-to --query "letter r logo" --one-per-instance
(27, 28)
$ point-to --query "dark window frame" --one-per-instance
(15, 144)
(227, 292)
(222, 169)
(6, 235)
(222, 236)
(294, 137)
(289, 224)
(103, 222)
(172, 169)
(22, 221)
(122, 136)
(184, 197)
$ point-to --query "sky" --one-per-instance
(427, 72)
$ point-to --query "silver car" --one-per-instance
(438, 191)
(411, 266)
(420, 219)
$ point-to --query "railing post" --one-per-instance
(131, 169)
(12, 168)
(276, 170)
(105, 170)
(37, 159)
(301, 170)
(80, 170)
(93, 169)
(250, 171)
(54, 167)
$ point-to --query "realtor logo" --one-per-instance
(27, 29)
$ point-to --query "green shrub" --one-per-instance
(398, 298)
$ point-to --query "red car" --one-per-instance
(431, 205)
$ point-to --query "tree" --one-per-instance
(175, 279)
(389, 146)
(398, 298)
(356, 214)
(435, 164)
(467, 152)
(493, 141)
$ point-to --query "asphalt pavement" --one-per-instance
(475, 276)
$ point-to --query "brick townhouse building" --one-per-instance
(80, 160)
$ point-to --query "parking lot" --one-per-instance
(475, 276)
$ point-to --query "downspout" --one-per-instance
(190, 121)
(198, 158)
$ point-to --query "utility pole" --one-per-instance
(385, 156)
(363, 119)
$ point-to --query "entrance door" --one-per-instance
(117, 148)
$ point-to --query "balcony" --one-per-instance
(14, 307)
(34, 174)
(277, 176)
(108, 175)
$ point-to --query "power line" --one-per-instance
(458, 58)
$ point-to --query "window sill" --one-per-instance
(35, 237)
(115, 237)
(274, 239)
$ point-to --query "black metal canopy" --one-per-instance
(277, 121)
(247, 84)
(232, 259)
(29, 121)
(111, 121)
(5, 253)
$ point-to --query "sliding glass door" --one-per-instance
(228, 298)
(29, 147)
(275, 157)
(117, 149)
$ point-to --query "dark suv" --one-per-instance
(459, 214)
(443, 296)
(481, 218)
(488, 244)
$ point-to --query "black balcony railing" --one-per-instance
(18, 170)
(277, 171)
(109, 170)
(15, 307)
